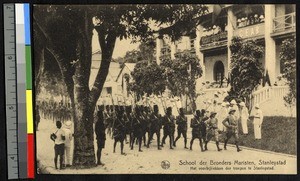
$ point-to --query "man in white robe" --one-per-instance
(257, 121)
(244, 117)
(234, 105)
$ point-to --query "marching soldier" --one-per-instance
(128, 123)
(203, 118)
(196, 130)
(212, 130)
(113, 117)
(155, 126)
(107, 119)
(169, 127)
(137, 128)
(100, 134)
(231, 124)
(181, 121)
(119, 129)
(145, 123)
(148, 113)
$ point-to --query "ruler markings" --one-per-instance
(10, 79)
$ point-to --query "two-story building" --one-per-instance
(268, 24)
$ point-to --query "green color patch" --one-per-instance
(28, 68)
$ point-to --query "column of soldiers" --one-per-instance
(55, 111)
(141, 122)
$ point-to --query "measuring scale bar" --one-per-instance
(18, 89)
(10, 91)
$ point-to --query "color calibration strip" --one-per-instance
(24, 79)
(29, 100)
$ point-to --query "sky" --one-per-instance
(121, 47)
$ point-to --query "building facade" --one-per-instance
(115, 88)
(268, 24)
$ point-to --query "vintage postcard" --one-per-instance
(165, 89)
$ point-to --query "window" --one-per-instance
(218, 71)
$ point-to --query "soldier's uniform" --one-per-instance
(128, 123)
(181, 121)
(212, 130)
(107, 119)
(203, 119)
(231, 124)
(130, 127)
(119, 129)
(145, 120)
(169, 127)
(155, 126)
(113, 117)
(100, 135)
(137, 128)
(196, 130)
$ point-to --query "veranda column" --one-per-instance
(200, 54)
(231, 21)
(270, 45)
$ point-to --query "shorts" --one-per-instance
(101, 143)
(196, 134)
(212, 133)
(182, 131)
(59, 149)
(232, 133)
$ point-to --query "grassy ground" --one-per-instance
(279, 134)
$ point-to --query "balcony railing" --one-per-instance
(212, 41)
(213, 38)
(285, 22)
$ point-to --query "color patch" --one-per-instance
(30, 156)
(28, 68)
(29, 111)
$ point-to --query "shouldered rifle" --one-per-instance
(162, 102)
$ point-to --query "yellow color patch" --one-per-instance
(29, 111)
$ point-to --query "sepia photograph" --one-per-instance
(165, 88)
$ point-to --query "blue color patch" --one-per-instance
(27, 23)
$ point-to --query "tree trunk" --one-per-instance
(84, 153)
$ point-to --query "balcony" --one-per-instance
(251, 31)
(285, 23)
(213, 41)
